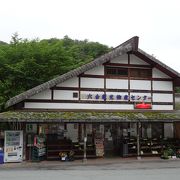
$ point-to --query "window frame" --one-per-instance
(117, 69)
(141, 71)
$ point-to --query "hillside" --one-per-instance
(27, 63)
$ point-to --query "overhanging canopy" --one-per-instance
(88, 117)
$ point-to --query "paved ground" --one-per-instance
(97, 164)
(106, 169)
(159, 174)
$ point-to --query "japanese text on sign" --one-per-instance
(115, 97)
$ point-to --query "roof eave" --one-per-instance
(159, 65)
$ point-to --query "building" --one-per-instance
(122, 103)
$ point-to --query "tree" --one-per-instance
(15, 38)
(177, 89)
(25, 63)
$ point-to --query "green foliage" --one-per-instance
(2, 43)
(25, 64)
(169, 151)
(4, 126)
(177, 89)
(177, 106)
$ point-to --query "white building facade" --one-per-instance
(116, 85)
(116, 104)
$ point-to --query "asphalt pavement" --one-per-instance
(97, 169)
(95, 164)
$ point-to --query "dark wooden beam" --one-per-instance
(92, 102)
(129, 65)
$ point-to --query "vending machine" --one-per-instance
(13, 146)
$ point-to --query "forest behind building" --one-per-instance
(25, 63)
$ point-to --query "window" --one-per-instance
(140, 73)
(117, 71)
(157, 130)
(168, 130)
(146, 130)
(125, 129)
(152, 130)
(123, 72)
(133, 130)
(75, 95)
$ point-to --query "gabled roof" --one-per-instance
(130, 45)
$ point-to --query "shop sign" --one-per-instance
(115, 97)
(143, 106)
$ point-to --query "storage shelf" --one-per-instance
(150, 154)
(152, 147)
(55, 146)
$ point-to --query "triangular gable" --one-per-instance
(136, 60)
(159, 74)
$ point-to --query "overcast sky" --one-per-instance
(111, 22)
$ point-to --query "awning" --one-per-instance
(88, 117)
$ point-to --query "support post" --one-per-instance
(138, 140)
(24, 140)
(85, 140)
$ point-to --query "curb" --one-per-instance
(80, 163)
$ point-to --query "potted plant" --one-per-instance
(168, 153)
